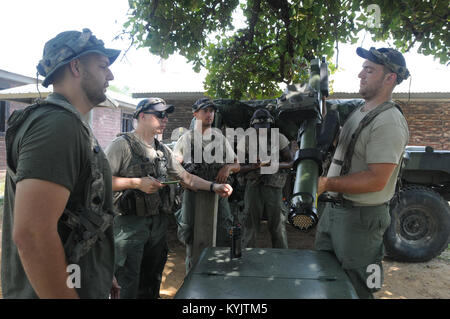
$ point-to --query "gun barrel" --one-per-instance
(303, 213)
(304, 201)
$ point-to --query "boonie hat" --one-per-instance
(203, 103)
(68, 46)
(261, 118)
(390, 58)
(154, 104)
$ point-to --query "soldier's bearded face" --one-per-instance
(95, 77)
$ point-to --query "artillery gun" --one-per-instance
(420, 213)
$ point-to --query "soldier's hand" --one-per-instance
(149, 185)
(321, 185)
(115, 289)
(224, 190)
(223, 174)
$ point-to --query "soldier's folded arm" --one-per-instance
(38, 206)
(286, 158)
(373, 179)
(226, 170)
(196, 183)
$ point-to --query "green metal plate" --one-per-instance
(266, 273)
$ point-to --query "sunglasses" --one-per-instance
(158, 114)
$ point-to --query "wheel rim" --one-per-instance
(416, 224)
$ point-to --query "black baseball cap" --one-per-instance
(154, 104)
(203, 103)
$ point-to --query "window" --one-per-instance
(127, 122)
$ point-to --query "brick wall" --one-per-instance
(428, 123)
(181, 117)
(106, 124)
(11, 107)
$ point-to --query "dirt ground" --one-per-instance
(430, 280)
(402, 280)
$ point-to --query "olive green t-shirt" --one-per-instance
(52, 145)
(382, 141)
(211, 141)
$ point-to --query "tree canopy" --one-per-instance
(280, 36)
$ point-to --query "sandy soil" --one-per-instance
(402, 280)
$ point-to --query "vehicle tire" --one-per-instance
(420, 225)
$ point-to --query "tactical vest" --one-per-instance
(367, 119)
(207, 171)
(276, 180)
(136, 202)
(88, 221)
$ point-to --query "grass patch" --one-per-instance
(445, 254)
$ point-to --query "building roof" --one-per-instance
(30, 92)
(17, 77)
(170, 95)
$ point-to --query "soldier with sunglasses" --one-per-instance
(141, 166)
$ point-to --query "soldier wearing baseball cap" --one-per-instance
(203, 103)
(154, 104)
(390, 58)
(58, 196)
(201, 137)
(363, 174)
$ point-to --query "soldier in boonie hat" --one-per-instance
(390, 58)
(155, 104)
(67, 46)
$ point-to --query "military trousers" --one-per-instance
(141, 254)
(186, 220)
(355, 235)
(264, 200)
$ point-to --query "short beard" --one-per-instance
(94, 95)
(370, 93)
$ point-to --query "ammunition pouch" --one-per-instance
(86, 229)
(276, 180)
(207, 171)
(135, 202)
